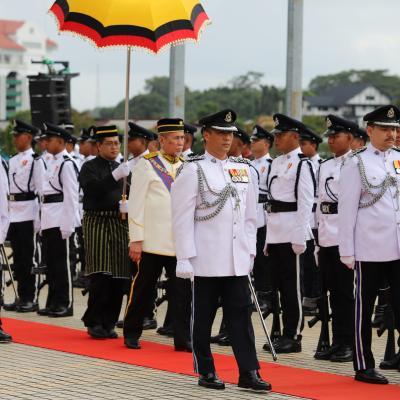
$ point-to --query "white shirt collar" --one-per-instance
(293, 153)
(141, 155)
(377, 152)
(215, 160)
(263, 158)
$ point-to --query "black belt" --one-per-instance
(262, 198)
(314, 207)
(275, 206)
(53, 198)
(329, 208)
(22, 196)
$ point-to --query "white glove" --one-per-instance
(348, 261)
(184, 269)
(123, 207)
(298, 248)
(122, 171)
(66, 234)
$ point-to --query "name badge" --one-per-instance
(239, 175)
(396, 164)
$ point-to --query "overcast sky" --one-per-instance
(244, 36)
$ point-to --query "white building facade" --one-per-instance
(20, 43)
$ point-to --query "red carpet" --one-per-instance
(288, 380)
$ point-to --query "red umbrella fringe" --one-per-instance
(174, 37)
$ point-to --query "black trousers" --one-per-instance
(22, 238)
(105, 300)
(261, 269)
(56, 254)
(234, 294)
(339, 281)
(141, 297)
(311, 279)
(286, 278)
(368, 279)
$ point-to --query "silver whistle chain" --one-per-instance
(388, 182)
(218, 200)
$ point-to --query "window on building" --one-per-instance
(370, 98)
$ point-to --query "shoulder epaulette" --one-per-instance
(270, 160)
(35, 156)
(302, 156)
(151, 155)
(396, 148)
(181, 158)
(240, 160)
(358, 151)
(195, 158)
(322, 161)
(66, 157)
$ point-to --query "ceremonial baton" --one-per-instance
(271, 346)
(4, 256)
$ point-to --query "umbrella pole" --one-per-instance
(127, 91)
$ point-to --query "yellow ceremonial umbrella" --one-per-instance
(149, 24)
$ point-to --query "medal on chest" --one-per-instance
(396, 164)
(24, 163)
(239, 175)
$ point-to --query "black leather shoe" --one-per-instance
(224, 341)
(43, 311)
(111, 334)
(285, 345)
(370, 376)
(27, 306)
(97, 332)
(216, 338)
(211, 381)
(165, 331)
(394, 363)
(326, 353)
(60, 312)
(252, 380)
(5, 337)
(11, 306)
(184, 347)
(132, 343)
(149, 324)
(343, 354)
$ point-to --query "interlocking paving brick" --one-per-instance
(34, 373)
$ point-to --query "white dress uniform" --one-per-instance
(335, 276)
(4, 212)
(220, 244)
(235, 226)
(25, 172)
(291, 187)
(60, 218)
(134, 160)
(316, 162)
(369, 232)
(185, 154)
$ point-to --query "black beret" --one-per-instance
(138, 131)
(308, 134)
(335, 124)
(261, 133)
(22, 127)
(384, 116)
(190, 129)
(283, 123)
(166, 125)
(55, 130)
(242, 135)
(222, 121)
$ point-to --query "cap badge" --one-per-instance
(328, 123)
(276, 122)
(390, 113)
(228, 117)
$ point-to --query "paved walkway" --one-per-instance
(33, 373)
